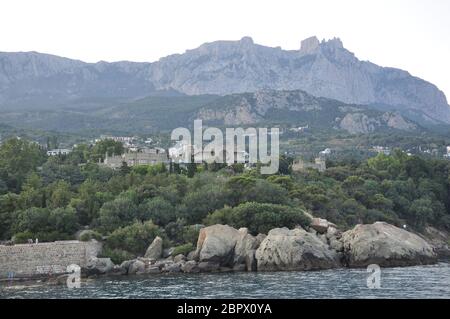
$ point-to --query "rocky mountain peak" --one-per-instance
(309, 45)
(335, 43)
(323, 69)
(247, 41)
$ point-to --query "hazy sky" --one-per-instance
(410, 34)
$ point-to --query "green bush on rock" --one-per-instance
(133, 239)
(259, 218)
(183, 249)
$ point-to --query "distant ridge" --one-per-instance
(321, 68)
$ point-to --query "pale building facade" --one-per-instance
(300, 165)
(147, 157)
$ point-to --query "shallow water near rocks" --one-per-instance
(412, 282)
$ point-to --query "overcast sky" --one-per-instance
(410, 34)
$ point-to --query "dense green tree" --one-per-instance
(158, 210)
(59, 194)
(18, 158)
(197, 204)
(56, 169)
(91, 197)
(106, 147)
(3, 187)
(285, 164)
(33, 193)
(421, 211)
(97, 173)
(46, 224)
(9, 203)
(118, 213)
(64, 220)
(191, 169)
(264, 191)
(156, 169)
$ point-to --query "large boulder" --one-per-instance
(168, 252)
(216, 245)
(297, 249)
(244, 251)
(155, 250)
(319, 225)
(98, 266)
(125, 266)
(136, 267)
(208, 266)
(385, 245)
(190, 267)
(179, 258)
(438, 239)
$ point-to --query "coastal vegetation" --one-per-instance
(54, 198)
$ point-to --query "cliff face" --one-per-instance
(361, 123)
(30, 78)
(299, 108)
(324, 69)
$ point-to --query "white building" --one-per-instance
(325, 152)
(149, 157)
(181, 153)
(58, 151)
(299, 129)
(447, 155)
(382, 149)
(123, 139)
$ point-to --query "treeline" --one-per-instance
(54, 198)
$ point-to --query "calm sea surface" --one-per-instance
(414, 282)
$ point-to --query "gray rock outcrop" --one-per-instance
(321, 225)
(245, 249)
(98, 266)
(136, 267)
(385, 245)
(296, 249)
(155, 250)
(216, 244)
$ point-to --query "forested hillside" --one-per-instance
(53, 198)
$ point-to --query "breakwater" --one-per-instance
(43, 259)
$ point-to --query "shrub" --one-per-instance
(259, 218)
(45, 236)
(183, 249)
(22, 237)
(46, 225)
(190, 233)
(117, 255)
(134, 239)
(180, 233)
(89, 235)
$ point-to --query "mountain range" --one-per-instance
(155, 114)
(35, 81)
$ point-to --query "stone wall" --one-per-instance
(34, 260)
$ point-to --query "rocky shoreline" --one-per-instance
(221, 248)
